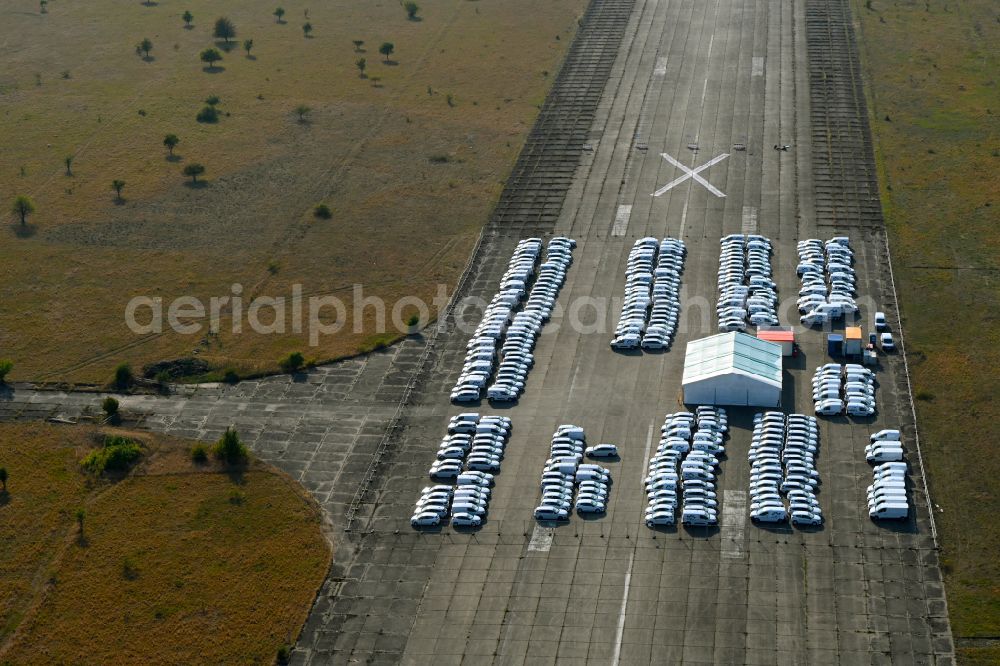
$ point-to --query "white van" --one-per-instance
(890, 511)
(881, 454)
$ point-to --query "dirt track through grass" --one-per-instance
(931, 70)
(409, 177)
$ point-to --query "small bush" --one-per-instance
(5, 367)
(199, 453)
(293, 362)
(230, 377)
(283, 655)
(117, 455)
(110, 407)
(212, 100)
(322, 211)
(926, 396)
(123, 376)
(236, 496)
(413, 320)
(209, 114)
(130, 571)
(230, 448)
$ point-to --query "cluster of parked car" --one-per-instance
(684, 467)
(482, 349)
(652, 280)
(887, 495)
(885, 336)
(746, 290)
(838, 388)
(829, 283)
(520, 337)
(566, 479)
(782, 459)
(885, 446)
(470, 454)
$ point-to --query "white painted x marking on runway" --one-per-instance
(691, 173)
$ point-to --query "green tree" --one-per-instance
(123, 376)
(302, 110)
(117, 185)
(194, 170)
(386, 49)
(146, 45)
(42, 6)
(212, 100)
(278, 13)
(230, 448)
(358, 43)
(171, 141)
(6, 366)
(307, 28)
(224, 29)
(110, 407)
(411, 10)
(247, 45)
(188, 17)
(3, 478)
(322, 211)
(22, 207)
(361, 63)
(68, 161)
(81, 515)
(211, 56)
(293, 362)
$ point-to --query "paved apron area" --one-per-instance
(704, 75)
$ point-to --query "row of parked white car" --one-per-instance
(482, 350)
(746, 290)
(652, 294)
(517, 352)
(887, 498)
(829, 283)
(568, 482)
(782, 460)
(838, 388)
(684, 467)
(470, 454)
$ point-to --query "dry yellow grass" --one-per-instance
(401, 222)
(931, 77)
(177, 563)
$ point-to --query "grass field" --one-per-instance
(177, 563)
(410, 167)
(931, 70)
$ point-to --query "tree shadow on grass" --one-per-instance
(4, 497)
(390, 63)
(81, 539)
(148, 58)
(226, 46)
(213, 69)
(189, 27)
(24, 230)
(196, 185)
(174, 158)
(120, 201)
(251, 57)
